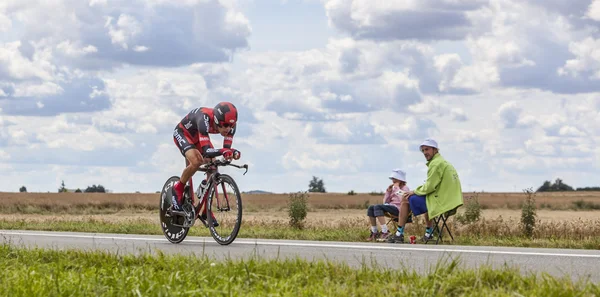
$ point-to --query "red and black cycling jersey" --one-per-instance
(196, 127)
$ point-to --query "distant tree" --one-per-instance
(62, 188)
(557, 186)
(78, 190)
(545, 187)
(589, 189)
(316, 185)
(23, 189)
(95, 189)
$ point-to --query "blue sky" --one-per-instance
(344, 90)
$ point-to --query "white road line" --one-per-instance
(322, 245)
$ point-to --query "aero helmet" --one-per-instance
(225, 114)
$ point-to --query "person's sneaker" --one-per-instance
(427, 237)
(384, 236)
(215, 223)
(395, 239)
(373, 236)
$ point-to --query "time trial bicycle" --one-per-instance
(217, 195)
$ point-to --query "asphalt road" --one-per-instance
(576, 264)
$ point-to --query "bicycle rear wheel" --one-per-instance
(174, 234)
(225, 205)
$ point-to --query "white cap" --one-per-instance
(429, 142)
(398, 174)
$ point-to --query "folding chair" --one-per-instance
(439, 230)
(394, 220)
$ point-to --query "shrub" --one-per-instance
(472, 210)
(297, 209)
(528, 213)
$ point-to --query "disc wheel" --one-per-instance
(173, 233)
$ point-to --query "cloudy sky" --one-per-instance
(344, 90)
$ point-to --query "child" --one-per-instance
(391, 204)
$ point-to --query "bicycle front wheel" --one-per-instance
(225, 205)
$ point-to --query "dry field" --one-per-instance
(320, 217)
(259, 202)
(329, 208)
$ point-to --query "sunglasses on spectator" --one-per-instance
(425, 149)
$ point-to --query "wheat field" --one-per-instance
(147, 201)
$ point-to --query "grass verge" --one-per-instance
(43, 272)
(483, 233)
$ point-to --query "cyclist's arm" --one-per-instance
(228, 140)
(206, 147)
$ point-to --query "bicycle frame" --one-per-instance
(211, 170)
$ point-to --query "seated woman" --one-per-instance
(392, 202)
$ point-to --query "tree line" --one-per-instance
(63, 189)
(318, 185)
(559, 186)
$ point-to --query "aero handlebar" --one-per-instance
(220, 162)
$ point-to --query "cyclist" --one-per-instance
(192, 138)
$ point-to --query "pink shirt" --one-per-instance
(393, 197)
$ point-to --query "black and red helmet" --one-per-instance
(225, 114)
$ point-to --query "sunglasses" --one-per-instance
(226, 125)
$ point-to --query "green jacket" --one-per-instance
(442, 188)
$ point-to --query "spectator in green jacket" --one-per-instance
(440, 193)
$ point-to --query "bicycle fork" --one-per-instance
(203, 197)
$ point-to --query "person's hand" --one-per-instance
(389, 188)
(236, 154)
(227, 153)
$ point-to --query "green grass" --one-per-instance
(43, 272)
(484, 233)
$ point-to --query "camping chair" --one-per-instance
(394, 219)
(439, 230)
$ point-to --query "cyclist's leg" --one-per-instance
(193, 160)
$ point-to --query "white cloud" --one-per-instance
(97, 2)
(508, 88)
(458, 115)
(435, 106)
(37, 90)
(16, 66)
(101, 34)
(385, 20)
(124, 29)
(587, 53)
(511, 116)
(4, 155)
(570, 131)
(5, 23)
(140, 48)
(70, 49)
(593, 11)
